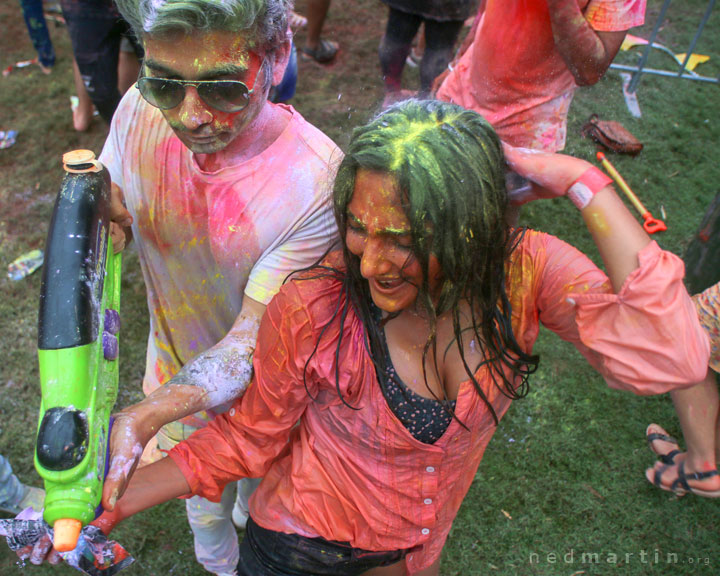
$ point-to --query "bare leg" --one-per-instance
(316, 12)
(322, 51)
(697, 410)
(83, 112)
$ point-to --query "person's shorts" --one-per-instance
(268, 553)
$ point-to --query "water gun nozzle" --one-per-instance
(67, 532)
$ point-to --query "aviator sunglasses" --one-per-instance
(223, 95)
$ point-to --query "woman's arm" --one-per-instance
(636, 324)
(617, 234)
(150, 485)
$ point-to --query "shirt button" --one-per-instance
(430, 469)
(425, 531)
(427, 501)
(232, 411)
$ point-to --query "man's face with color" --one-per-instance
(212, 55)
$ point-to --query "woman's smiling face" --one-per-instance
(379, 233)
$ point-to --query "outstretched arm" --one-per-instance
(587, 52)
(215, 377)
(151, 485)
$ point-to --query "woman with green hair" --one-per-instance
(397, 356)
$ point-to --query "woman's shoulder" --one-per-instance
(538, 247)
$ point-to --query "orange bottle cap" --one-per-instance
(78, 157)
(67, 532)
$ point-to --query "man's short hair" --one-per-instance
(263, 21)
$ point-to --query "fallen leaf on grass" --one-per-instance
(593, 491)
(506, 514)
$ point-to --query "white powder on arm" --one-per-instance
(225, 370)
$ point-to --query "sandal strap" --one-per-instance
(657, 477)
(683, 477)
(669, 458)
(681, 480)
(659, 436)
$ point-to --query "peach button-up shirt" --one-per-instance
(359, 476)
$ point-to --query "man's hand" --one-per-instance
(121, 220)
(127, 441)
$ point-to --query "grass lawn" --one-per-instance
(564, 475)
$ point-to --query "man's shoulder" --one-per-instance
(315, 289)
(315, 140)
(134, 115)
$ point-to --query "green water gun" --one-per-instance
(77, 348)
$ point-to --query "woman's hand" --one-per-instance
(616, 232)
(550, 175)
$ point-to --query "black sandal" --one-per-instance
(681, 482)
(668, 458)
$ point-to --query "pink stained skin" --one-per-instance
(379, 233)
(586, 52)
(213, 135)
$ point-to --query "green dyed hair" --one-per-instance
(264, 21)
(450, 168)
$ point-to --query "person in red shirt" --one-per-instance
(380, 375)
(523, 59)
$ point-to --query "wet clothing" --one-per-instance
(513, 74)
(425, 418)
(207, 238)
(271, 553)
(358, 475)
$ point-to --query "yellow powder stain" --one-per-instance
(599, 225)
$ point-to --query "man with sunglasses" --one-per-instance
(226, 195)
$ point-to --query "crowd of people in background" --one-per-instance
(377, 374)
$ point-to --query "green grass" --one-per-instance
(563, 474)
